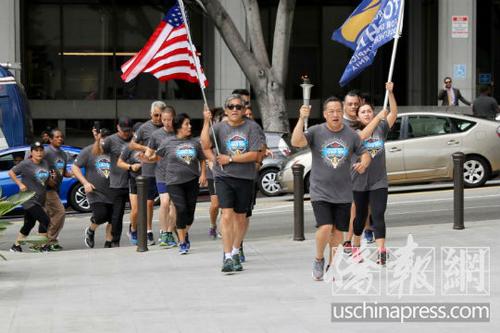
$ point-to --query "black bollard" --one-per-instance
(458, 190)
(298, 202)
(142, 216)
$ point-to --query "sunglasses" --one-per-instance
(447, 82)
(235, 106)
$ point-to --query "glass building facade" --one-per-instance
(72, 51)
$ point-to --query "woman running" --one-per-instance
(130, 160)
(370, 189)
(35, 175)
(97, 166)
(182, 175)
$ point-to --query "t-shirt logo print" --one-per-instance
(374, 145)
(237, 145)
(59, 164)
(103, 166)
(335, 153)
(186, 153)
(42, 175)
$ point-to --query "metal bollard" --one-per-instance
(142, 216)
(458, 190)
(298, 202)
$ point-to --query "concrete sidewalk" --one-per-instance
(120, 290)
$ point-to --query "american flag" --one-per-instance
(168, 54)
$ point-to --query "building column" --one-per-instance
(10, 33)
(228, 74)
(457, 46)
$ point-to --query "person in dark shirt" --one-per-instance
(35, 176)
(97, 167)
(485, 106)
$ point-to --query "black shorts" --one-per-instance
(211, 187)
(254, 199)
(101, 212)
(235, 193)
(337, 214)
(150, 184)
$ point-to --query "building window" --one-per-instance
(74, 49)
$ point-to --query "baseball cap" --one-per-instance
(35, 145)
(125, 123)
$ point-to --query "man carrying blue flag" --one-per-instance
(372, 24)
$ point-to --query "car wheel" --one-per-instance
(476, 171)
(268, 184)
(78, 199)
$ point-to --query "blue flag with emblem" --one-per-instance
(372, 24)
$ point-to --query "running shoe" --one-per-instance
(242, 254)
(382, 257)
(228, 266)
(45, 248)
(369, 236)
(318, 269)
(89, 238)
(347, 247)
(183, 249)
(237, 263)
(170, 240)
(151, 239)
(54, 247)
(16, 248)
(107, 244)
(356, 255)
(187, 241)
(212, 232)
(133, 237)
(163, 239)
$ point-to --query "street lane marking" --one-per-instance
(443, 199)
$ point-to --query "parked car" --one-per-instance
(279, 144)
(71, 193)
(419, 148)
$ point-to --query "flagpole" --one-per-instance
(198, 69)
(394, 48)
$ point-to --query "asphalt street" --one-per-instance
(274, 216)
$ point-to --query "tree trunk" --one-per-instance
(272, 104)
(267, 80)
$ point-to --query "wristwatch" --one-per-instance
(230, 159)
(130, 167)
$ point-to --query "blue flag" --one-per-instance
(372, 24)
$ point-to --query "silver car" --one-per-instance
(419, 148)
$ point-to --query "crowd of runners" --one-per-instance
(348, 182)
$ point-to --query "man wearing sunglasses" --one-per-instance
(449, 95)
(239, 141)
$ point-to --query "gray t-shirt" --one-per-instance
(97, 171)
(157, 138)
(234, 141)
(57, 160)
(130, 156)
(209, 173)
(183, 159)
(330, 178)
(34, 176)
(485, 107)
(375, 177)
(113, 146)
(348, 122)
(142, 136)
